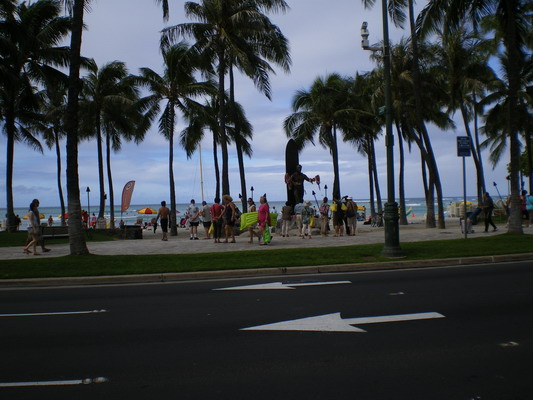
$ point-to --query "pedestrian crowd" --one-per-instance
(221, 220)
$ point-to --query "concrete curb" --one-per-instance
(258, 272)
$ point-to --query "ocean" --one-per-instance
(415, 205)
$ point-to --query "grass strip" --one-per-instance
(93, 265)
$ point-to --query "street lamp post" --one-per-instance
(252, 190)
(88, 202)
(391, 217)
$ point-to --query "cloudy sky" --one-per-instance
(324, 38)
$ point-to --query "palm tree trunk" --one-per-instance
(478, 147)
(110, 183)
(510, 40)
(370, 176)
(75, 227)
(479, 168)
(100, 168)
(10, 130)
(335, 156)
(376, 180)
(222, 122)
(59, 188)
(431, 163)
(401, 178)
(173, 224)
(238, 145)
(217, 169)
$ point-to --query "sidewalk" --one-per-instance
(152, 244)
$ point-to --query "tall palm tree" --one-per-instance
(496, 117)
(77, 242)
(55, 98)
(109, 111)
(363, 133)
(463, 62)
(29, 38)
(178, 88)
(206, 119)
(515, 24)
(237, 29)
(322, 110)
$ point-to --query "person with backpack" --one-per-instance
(229, 217)
(351, 216)
(337, 210)
(324, 217)
(307, 213)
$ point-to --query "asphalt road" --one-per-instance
(185, 340)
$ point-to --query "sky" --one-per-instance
(324, 38)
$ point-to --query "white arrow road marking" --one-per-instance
(86, 381)
(54, 313)
(281, 285)
(334, 322)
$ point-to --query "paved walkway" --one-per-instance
(152, 244)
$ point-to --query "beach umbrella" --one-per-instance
(66, 216)
(41, 216)
(146, 210)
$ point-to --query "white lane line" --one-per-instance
(53, 313)
(86, 381)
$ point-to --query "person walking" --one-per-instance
(216, 219)
(286, 219)
(162, 215)
(193, 215)
(525, 210)
(529, 207)
(206, 219)
(34, 228)
(298, 215)
(263, 219)
(324, 217)
(337, 216)
(252, 208)
(488, 206)
(307, 213)
(351, 216)
(229, 217)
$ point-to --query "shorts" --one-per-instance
(207, 224)
(230, 222)
(196, 223)
(164, 225)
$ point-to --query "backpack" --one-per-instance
(350, 212)
(324, 209)
(333, 207)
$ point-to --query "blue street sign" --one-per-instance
(463, 146)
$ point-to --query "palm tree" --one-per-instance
(363, 133)
(109, 106)
(514, 23)
(496, 117)
(29, 38)
(206, 118)
(463, 62)
(236, 29)
(178, 88)
(324, 110)
(77, 242)
(55, 98)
